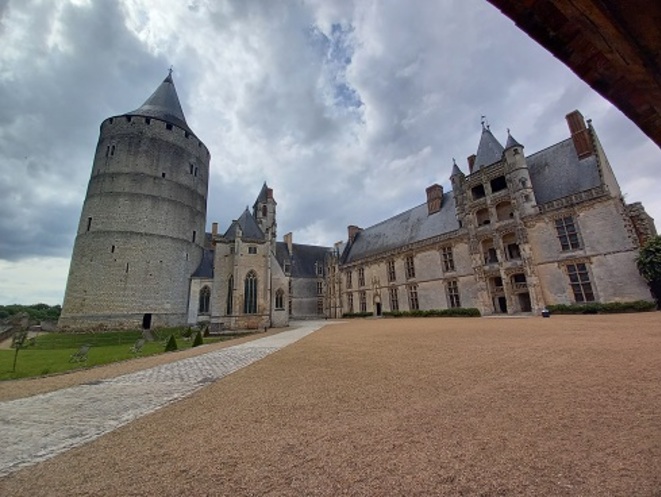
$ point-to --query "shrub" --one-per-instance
(171, 345)
(186, 333)
(605, 308)
(350, 315)
(435, 313)
(198, 339)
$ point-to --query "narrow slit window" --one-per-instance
(89, 223)
(194, 235)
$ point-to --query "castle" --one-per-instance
(517, 233)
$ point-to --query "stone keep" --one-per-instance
(142, 226)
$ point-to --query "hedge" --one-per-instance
(457, 312)
(357, 314)
(599, 308)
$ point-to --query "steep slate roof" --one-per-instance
(164, 104)
(249, 228)
(511, 141)
(303, 258)
(488, 151)
(205, 269)
(262, 195)
(410, 226)
(556, 172)
(455, 170)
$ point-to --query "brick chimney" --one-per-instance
(289, 241)
(269, 193)
(214, 229)
(579, 134)
(434, 198)
(471, 162)
(353, 232)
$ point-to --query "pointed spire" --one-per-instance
(489, 150)
(263, 195)
(511, 141)
(164, 104)
(455, 169)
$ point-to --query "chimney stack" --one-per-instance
(471, 162)
(214, 229)
(579, 134)
(289, 241)
(434, 198)
(353, 232)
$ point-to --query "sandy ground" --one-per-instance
(553, 407)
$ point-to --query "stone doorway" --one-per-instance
(378, 308)
(524, 302)
(146, 321)
(501, 305)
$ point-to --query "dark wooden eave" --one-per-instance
(613, 45)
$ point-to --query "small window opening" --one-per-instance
(112, 150)
(519, 278)
(128, 119)
(194, 235)
(168, 126)
(191, 168)
(264, 211)
(89, 223)
(252, 250)
(110, 120)
(147, 120)
(195, 173)
(112, 249)
(478, 192)
(127, 267)
(498, 184)
(186, 134)
(162, 175)
(107, 150)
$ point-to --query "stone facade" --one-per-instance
(515, 235)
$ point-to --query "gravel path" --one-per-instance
(567, 406)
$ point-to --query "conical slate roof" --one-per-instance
(455, 170)
(164, 104)
(263, 194)
(488, 151)
(249, 228)
(511, 141)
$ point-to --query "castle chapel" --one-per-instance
(516, 233)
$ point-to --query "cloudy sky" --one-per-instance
(348, 109)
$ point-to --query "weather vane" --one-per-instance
(485, 122)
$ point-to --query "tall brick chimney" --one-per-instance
(579, 134)
(434, 198)
(353, 232)
(214, 229)
(471, 162)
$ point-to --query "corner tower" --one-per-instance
(142, 225)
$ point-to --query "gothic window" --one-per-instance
(392, 276)
(414, 305)
(452, 290)
(230, 293)
(410, 267)
(363, 302)
(350, 302)
(205, 297)
(279, 299)
(394, 300)
(250, 294)
(361, 276)
(579, 279)
(349, 279)
(567, 233)
(512, 250)
(447, 259)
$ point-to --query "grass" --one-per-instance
(50, 352)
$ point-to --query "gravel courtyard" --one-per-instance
(495, 406)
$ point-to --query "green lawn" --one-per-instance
(50, 352)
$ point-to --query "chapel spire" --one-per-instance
(164, 104)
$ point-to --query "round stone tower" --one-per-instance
(142, 226)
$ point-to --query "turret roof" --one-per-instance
(249, 228)
(511, 141)
(263, 195)
(488, 151)
(164, 104)
(455, 170)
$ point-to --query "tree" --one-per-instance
(649, 265)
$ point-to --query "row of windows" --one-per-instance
(452, 292)
(447, 261)
(168, 126)
(497, 184)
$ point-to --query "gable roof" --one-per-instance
(164, 104)
(249, 228)
(557, 172)
(410, 226)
